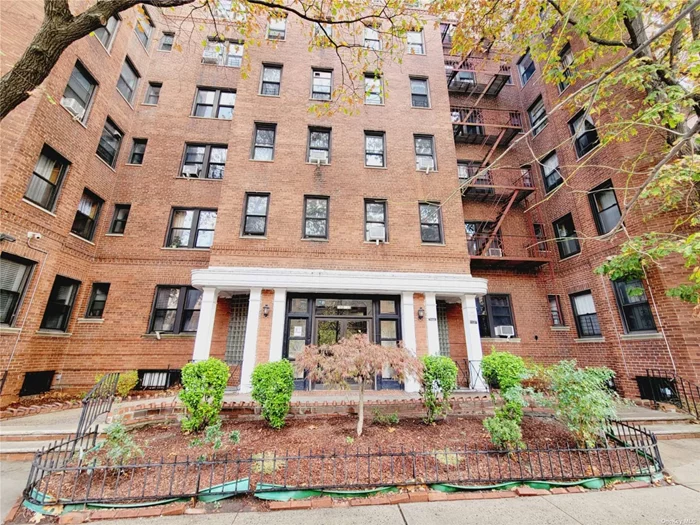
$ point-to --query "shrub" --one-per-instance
(119, 445)
(439, 381)
(505, 433)
(384, 419)
(203, 386)
(273, 384)
(503, 369)
(126, 383)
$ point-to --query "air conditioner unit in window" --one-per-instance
(74, 107)
(377, 232)
(190, 172)
(505, 330)
(495, 252)
(318, 157)
(210, 56)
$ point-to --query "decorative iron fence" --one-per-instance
(667, 387)
(68, 472)
(97, 402)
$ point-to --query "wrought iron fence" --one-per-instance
(97, 402)
(668, 387)
(68, 472)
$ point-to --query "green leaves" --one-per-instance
(439, 381)
(273, 384)
(203, 386)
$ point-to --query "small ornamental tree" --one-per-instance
(359, 360)
(203, 386)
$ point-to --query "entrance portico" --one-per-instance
(414, 296)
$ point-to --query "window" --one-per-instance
(121, 215)
(585, 314)
(526, 68)
(419, 93)
(193, 228)
(430, 223)
(138, 150)
(371, 38)
(566, 57)
(550, 172)
(110, 142)
(565, 234)
(144, 27)
(204, 161)
(47, 178)
(86, 216)
(79, 91)
(105, 34)
(321, 84)
(166, 41)
(555, 310)
(538, 116)
(277, 28)
(60, 304)
(584, 133)
(375, 220)
(98, 298)
(176, 309)
(634, 306)
(319, 145)
(128, 80)
(271, 79)
(414, 42)
(374, 149)
(374, 94)
(315, 217)
(15, 273)
(256, 209)
(153, 93)
(214, 103)
(493, 310)
(424, 146)
(606, 210)
(227, 53)
(264, 142)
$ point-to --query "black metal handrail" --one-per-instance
(97, 402)
(665, 386)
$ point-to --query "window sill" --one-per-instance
(38, 207)
(90, 320)
(103, 161)
(181, 249)
(560, 328)
(52, 333)
(641, 336)
(82, 239)
(589, 340)
(6, 329)
(570, 257)
(79, 121)
(500, 340)
(187, 335)
(114, 235)
(313, 240)
(125, 99)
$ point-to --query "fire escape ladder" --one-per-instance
(499, 222)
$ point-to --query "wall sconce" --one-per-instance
(421, 313)
(266, 311)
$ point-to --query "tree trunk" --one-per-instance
(361, 409)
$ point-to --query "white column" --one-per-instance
(432, 324)
(473, 338)
(408, 329)
(205, 327)
(279, 307)
(251, 341)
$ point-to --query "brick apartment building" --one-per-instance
(184, 211)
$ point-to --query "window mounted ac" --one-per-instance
(191, 172)
(210, 56)
(318, 157)
(505, 331)
(495, 252)
(74, 107)
(377, 232)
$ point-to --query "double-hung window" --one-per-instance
(214, 103)
(105, 34)
(371, 38)
(128, 80)
(526, 68)
(606, 210)
(374, 94)
(277, 28)
(565, 234)
(86, 215)
(110, 142)
(430, 222)
(321, 84)
(15, 273)
(424, 146)
(419, 93)
(167, 40)
(493, 310)
(264, 141)
(60, 304)
(79, 92)
(584, 132)
(319, 145)
(191, 228)
(634, 306)
(98, 299)
(414, 42)
(256, 211)
(374, 149)
(121, 215)
(585, 314)
(550, 172)
(315, 217)
(566, 57)
(47, 177)
(204, 161)
(555, 311)
(138, 150)
(176, 309)
(375, 220)
(271, 80)
(538, 116)
(144, 27)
